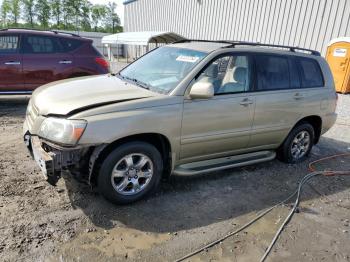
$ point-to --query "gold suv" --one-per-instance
(186, 108)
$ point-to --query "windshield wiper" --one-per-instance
(136, 81)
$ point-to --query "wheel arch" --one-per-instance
(316, 122)
(159, 141)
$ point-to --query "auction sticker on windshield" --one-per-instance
(188, 59)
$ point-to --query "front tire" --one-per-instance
(130, 172)
(298, 144)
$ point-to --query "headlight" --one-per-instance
(62, 130)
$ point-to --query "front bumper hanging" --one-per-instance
(49, 162)
(52, 161)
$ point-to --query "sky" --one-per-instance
(120, 7)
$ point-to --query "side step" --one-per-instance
(211, 165)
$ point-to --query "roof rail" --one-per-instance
(202, 40)
(62, 32)
(291, 48)
(41, 30)
(243, 43)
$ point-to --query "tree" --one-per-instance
(14, 11)
(112, 19)
(5, 12)
(98, 14)
(28, 8)
(85, 15)
(42, 9)
(56, 10)
(60, 14)
(68, 14)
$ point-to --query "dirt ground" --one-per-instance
(71, 222)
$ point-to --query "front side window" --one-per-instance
(228, 74)
(40, 45)
(8, 44)
(310, 72)
(272, 72)
(162, 69)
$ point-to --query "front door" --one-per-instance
(221, 125)
(11, 78)
(338, 56)
(44, 61)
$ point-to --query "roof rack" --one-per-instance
(41, 30)
(62, 32)
(243, 43)
(204, 41)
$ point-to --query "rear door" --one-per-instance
(44, 60)
(11, 78)
(278, 99)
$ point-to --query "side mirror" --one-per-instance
(202, 90)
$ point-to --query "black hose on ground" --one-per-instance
(289, 216)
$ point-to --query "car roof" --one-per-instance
(42, 32)
(210, 46)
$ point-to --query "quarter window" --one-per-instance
(272, 72)
(8, 44)
(228, 74)
(311, 75)
(41, 44)
(70, 44)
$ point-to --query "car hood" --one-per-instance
(70, 96)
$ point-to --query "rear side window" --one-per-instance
(70, 44)
(310, 73)
(272, 72)
(41, 45)
(8, 44)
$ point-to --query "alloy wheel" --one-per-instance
(132, 174)
(300, 144)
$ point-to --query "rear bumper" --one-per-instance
(328, 121)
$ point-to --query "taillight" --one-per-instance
(102, 62)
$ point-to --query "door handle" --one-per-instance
(246, 102)
(12, 63)
(298, 96)
(65, 62)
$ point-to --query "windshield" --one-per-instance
(162, 69)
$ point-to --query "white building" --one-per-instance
(304, 23)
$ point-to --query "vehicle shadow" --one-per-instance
(13, 105)
(192, 202)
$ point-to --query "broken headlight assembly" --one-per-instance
(62, 131)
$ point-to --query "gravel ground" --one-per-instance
(71, 222)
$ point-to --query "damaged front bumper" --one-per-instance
(54, 161)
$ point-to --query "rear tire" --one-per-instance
(298, 144)
(130, 172)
